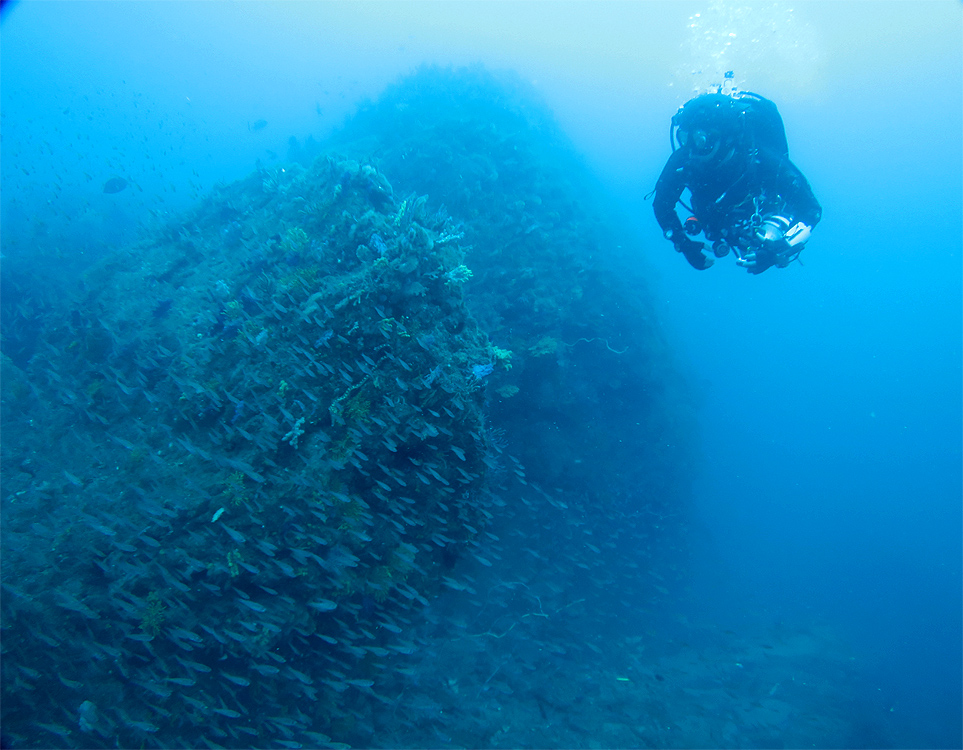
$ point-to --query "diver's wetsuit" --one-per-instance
(722, 195)
(748, 177)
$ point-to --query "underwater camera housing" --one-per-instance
(775, 228)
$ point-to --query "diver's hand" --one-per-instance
(754, 261)
(770, 254)
(692, 251)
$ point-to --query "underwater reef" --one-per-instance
(557, 278)
(243, 461)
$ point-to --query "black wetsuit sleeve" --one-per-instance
(800, 196)
(668, 190)
(793, 187)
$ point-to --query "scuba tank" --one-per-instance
(728, 86)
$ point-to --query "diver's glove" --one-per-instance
(770, 253)
(692, 251)
(780, 245)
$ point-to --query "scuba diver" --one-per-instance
(729, 149)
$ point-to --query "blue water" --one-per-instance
(826, 464)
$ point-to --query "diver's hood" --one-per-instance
(714, 111)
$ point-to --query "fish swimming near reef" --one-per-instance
(115, 185)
